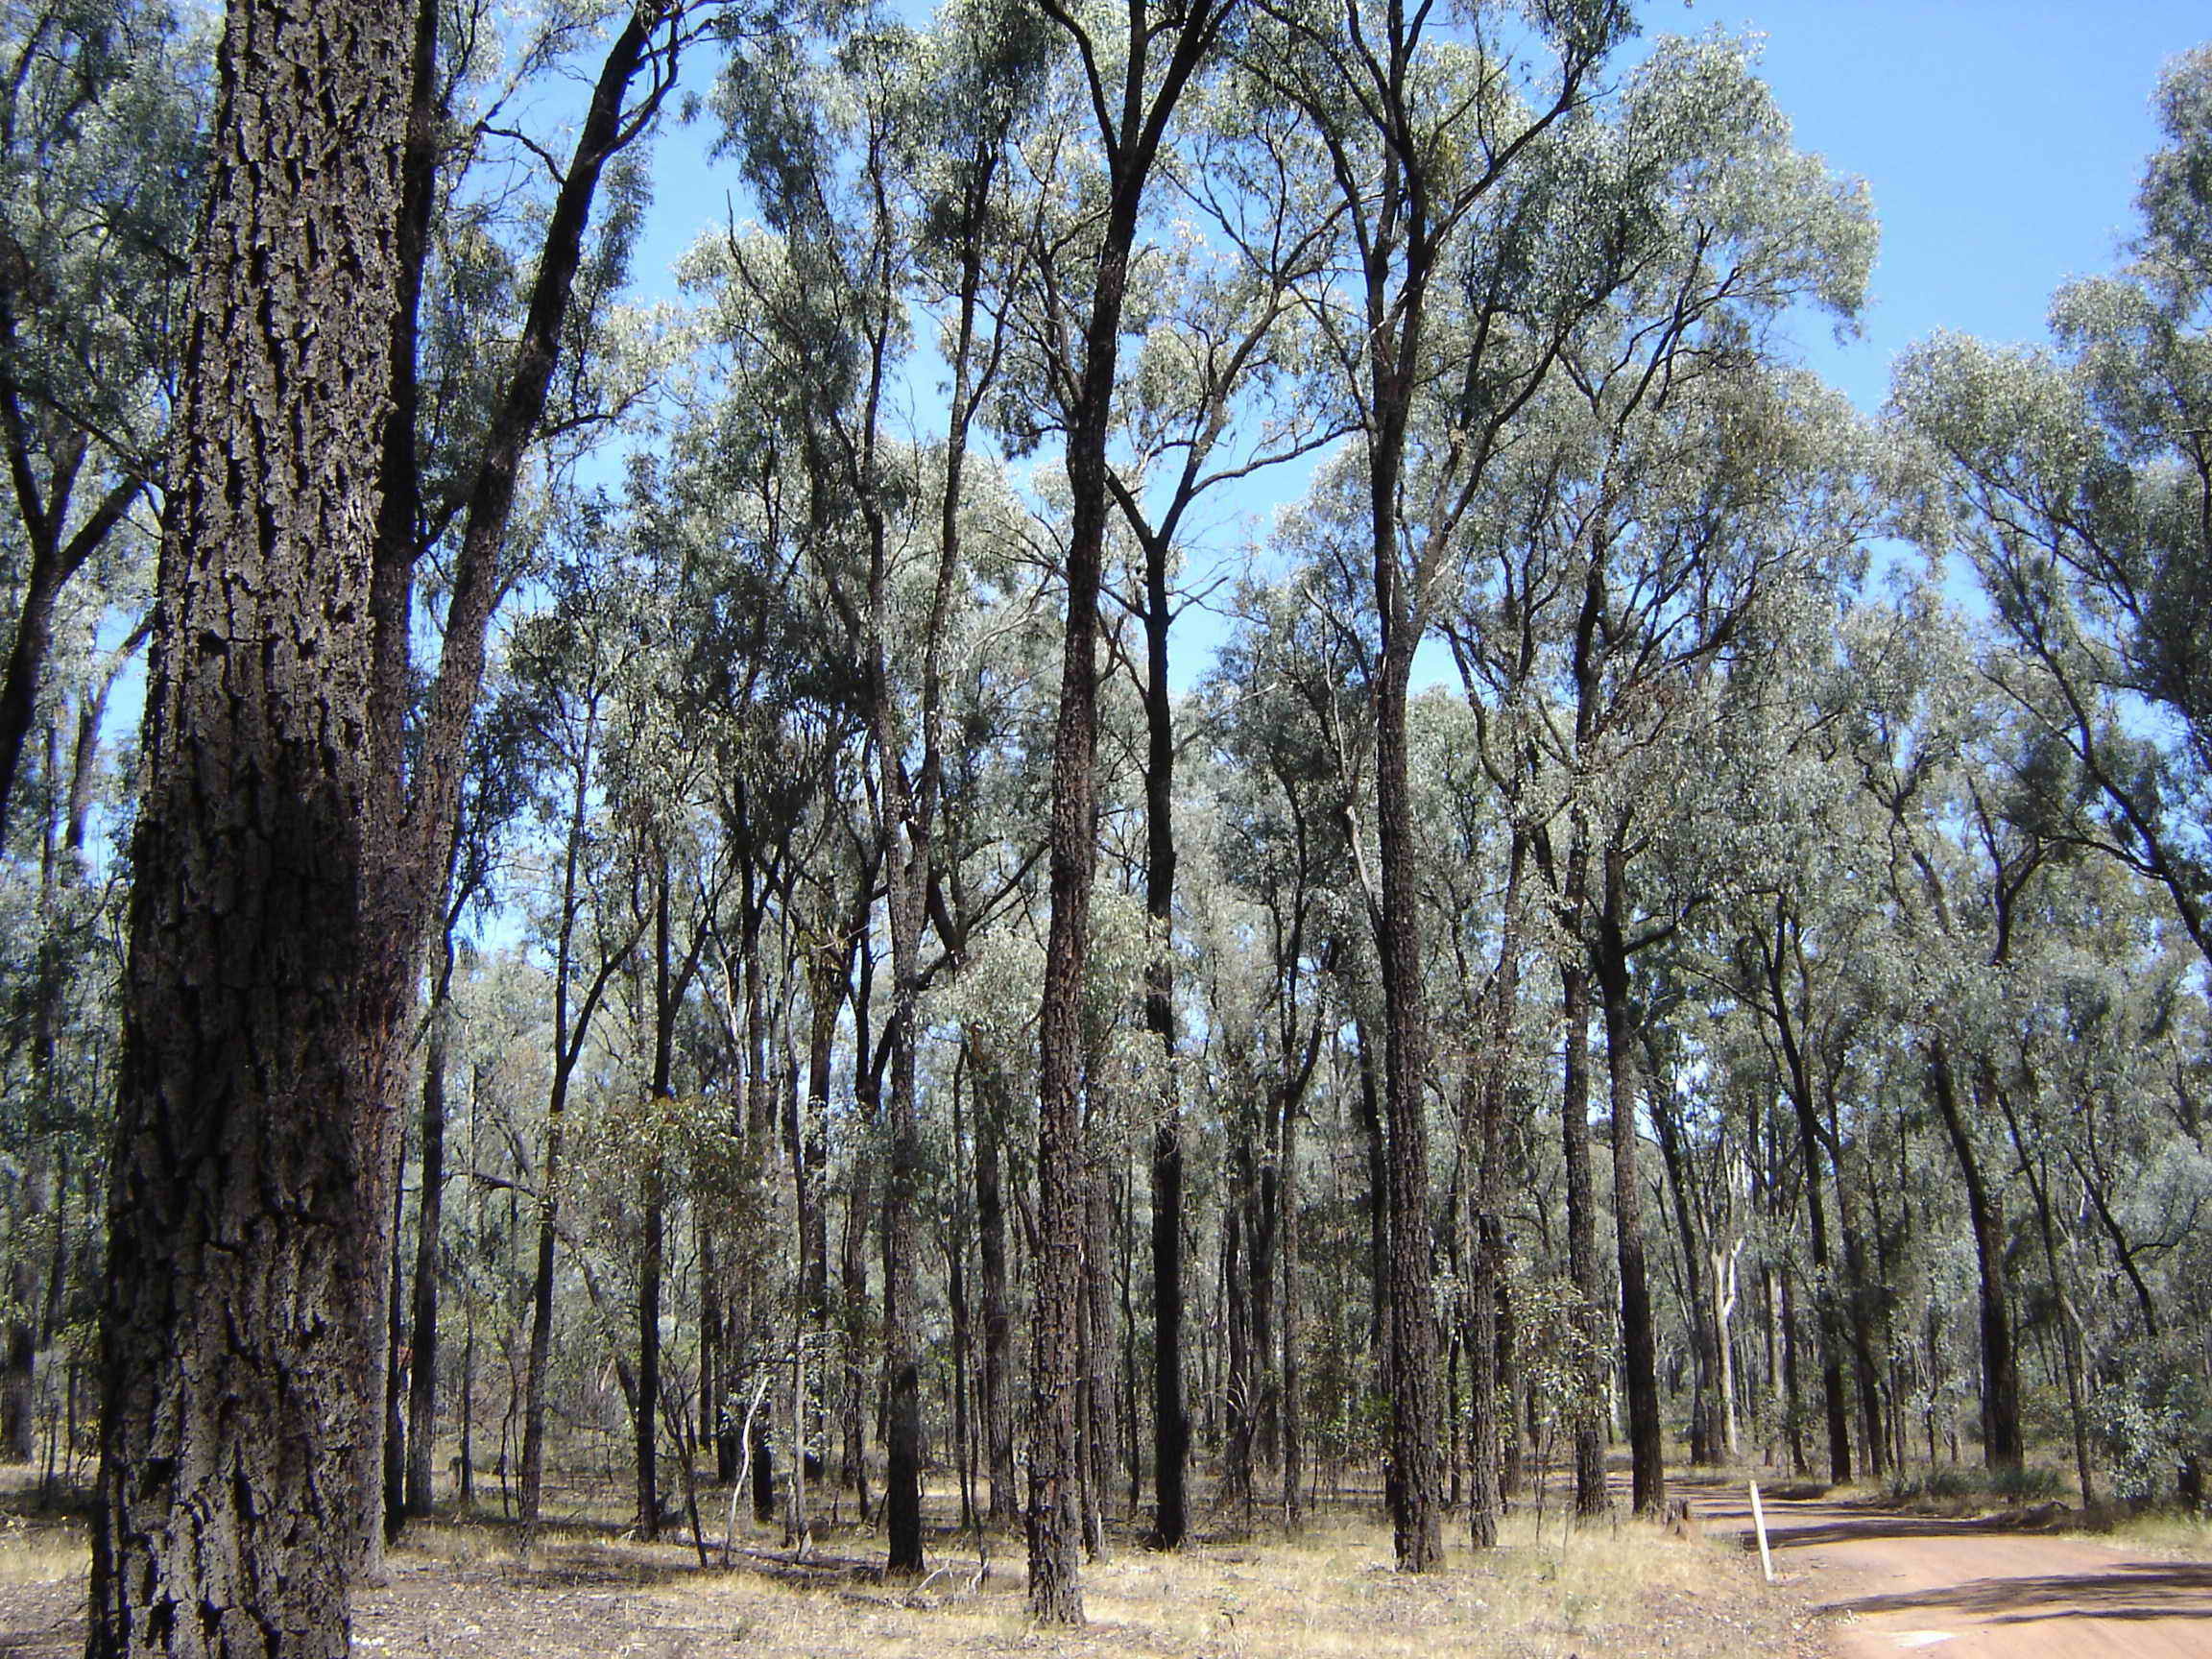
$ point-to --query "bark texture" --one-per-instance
(243, 1313)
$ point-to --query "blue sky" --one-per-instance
(2003, 144)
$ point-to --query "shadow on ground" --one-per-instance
(2166, 1590)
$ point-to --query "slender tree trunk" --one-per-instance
(1378, 1218)
(1486, 1241)
(1640, 1344)
(1706, 1339)
(1590, 1498)
(392, 1510)
(1236, 1492)
(422, 1379)
(1171, 1417)
(1102, 1433)
(2001, 1445)
(997, 1324)
(1293, 1377)
(956, 1296)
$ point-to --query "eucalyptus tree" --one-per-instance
(572, 666)
(491, 801)
(1421, 129)
(102, 162)
(1210, 403)
(829, 161)
(1283, 849)
(1673, 494)
(1910, 748)
(772, 691)
(1124, 74)
(2078, 483)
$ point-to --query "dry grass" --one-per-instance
(459, 1589)
(1328, 1594)
(2173, 1532)
(33, 1553)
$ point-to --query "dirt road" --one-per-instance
(1967, 1590)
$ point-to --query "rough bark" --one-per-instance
(1581, 1213)
(243, 1308)
(1639, 1339)
(1133, 131)
(422, 1377)
(998, 1323)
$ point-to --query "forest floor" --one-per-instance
(1854, 1578)
(2009, 1585)
(462, 1589)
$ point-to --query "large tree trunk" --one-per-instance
(243, 1311)
(1414, 1481)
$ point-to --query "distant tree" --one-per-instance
(102, 135)
(2079, 486)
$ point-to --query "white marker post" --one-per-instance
(1759, 1524)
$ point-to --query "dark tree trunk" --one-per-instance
(1414, 1479)
(1171, 1417)
(243, 1337)
(1581, 1215)
(2001, 1446)
(422, 1379)
(1293, 1378)
(1639, 1339)
(1134, 127)
(998, 1323)
(394, 1505)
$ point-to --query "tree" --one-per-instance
(1416, 137)
(243, 1316)
(101, 137)
(284, 836)
(2079, 486)
(1131, 86)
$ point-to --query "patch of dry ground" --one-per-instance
(2013, 1585)
(455, 1591)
